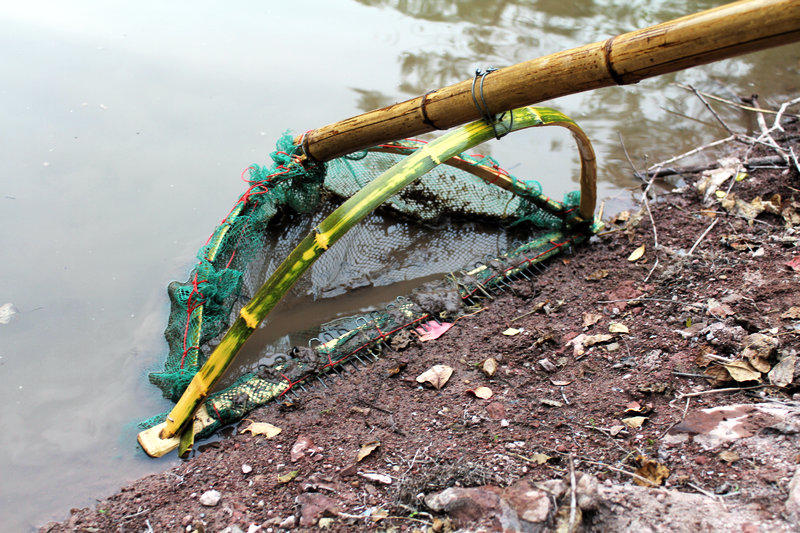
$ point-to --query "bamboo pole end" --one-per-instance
(153, 445)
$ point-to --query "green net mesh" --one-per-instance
(285, 200)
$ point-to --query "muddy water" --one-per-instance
(125, 127)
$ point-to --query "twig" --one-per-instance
(140, 512)
(687, 375)
(714, 391)
(731, 102)
(621, 471)
(702, 491)
(149, 527)
(708, 106)
(636, 173)
(695, 119)
(693, 151)
(651, 270)
(523, 315)
(573, 498)
(765, 132)
(703, 236)
(784, 106)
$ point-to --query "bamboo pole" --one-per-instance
(710, 35)
(162, 438)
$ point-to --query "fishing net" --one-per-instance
(447, 210)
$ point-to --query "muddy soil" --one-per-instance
(574, 421)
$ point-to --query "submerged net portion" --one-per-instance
(286, 200)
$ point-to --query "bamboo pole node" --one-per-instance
(607, 49)
(304, 146)
(424, 112)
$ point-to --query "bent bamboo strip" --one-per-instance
(711, 35)
(161, 439)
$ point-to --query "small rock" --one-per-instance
(325, 523)
(504, 423)
(496, 410)
(300, 446)
(547, 365)
(187, 520)
(246, 469)
(531, 505)
(210, 498)
(289, 522)
(314, 506)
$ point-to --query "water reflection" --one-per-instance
(470, 34)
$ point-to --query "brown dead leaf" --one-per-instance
(621, 218)
(618, 327)
(636, 254)
(634, 422)
(717, 374)
(367, 449)
(437, 376)
(655, 473)
(262, 428)
(484, 393)
(597, 275)
(590, 319)
(550, 403)
(560, 383)
(614, 430)
(728, 456)
(396, 369)
(540, 458)
(583, 341)
(489, 366)
(792, 313)
(742, 371)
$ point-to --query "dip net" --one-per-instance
(447, 209)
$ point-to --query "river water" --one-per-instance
(125, 127)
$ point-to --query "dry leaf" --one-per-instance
(728, 456)
(597, 275)
(376, 478)
(618, 327)
(286, 478)
(379, 514)
(483, 393)
(583, 341)
(510, 332)
(437, 375)
(712, 179)
(396, 369)
(636, 254)
(262, 428)
(560, 383)
(718, 310)
(791, 313)
(655, 473)
(551, 403)
(590, 319)
(614, 430)
(489, 366)
(634, 422)
(742, 371)
(367, 449)
(540, 458)
(621, 217)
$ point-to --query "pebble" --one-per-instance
(504, 423)
(246, 469)
(210, 498)
(288, 523)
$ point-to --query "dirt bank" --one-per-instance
(603, 363)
